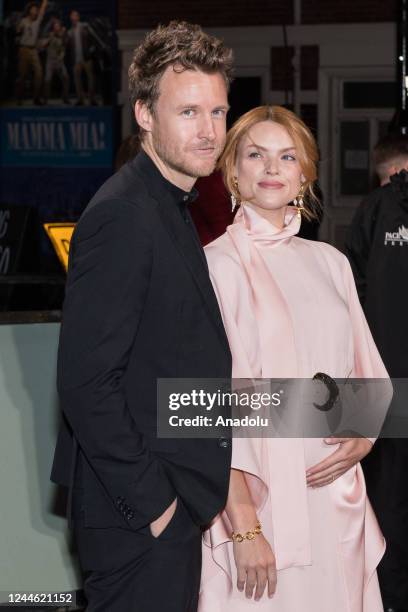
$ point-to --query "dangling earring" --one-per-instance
(234, 201)
(298, 201)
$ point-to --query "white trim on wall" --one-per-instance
(339, 210)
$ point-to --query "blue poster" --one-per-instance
(57, 91)
(57, 107)
(56, 138)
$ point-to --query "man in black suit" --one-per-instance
(139, 306)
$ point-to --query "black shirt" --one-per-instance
(181, 199)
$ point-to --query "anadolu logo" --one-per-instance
(400, 237)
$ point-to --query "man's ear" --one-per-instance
(143, 116)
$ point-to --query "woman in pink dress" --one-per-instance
(290, 310)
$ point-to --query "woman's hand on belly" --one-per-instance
(256, 567)
(349, 452)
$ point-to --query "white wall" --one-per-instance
(34, 542)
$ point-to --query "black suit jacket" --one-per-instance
(139, 305)
(379, 266)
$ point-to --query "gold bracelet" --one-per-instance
(249, 535)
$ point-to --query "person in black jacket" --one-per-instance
(140, 306)
(377, 247)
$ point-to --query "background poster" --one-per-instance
(57, 108)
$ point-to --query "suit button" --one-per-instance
(223, 443)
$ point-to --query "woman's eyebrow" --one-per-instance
(253, 144)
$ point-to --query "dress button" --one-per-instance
(185, 198)
(223, 443)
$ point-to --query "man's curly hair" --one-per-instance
(179, 44)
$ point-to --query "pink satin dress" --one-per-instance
(290, 309)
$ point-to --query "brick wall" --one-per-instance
(210, 13)
(348, 11)
(213, 13)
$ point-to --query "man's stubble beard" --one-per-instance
(177, 159)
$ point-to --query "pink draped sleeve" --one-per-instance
(234, 299)
(373, 399)
(367, 364)
(233, 294)
(367, 360)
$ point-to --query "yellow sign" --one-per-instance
(60, 235)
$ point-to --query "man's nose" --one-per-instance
(207, 128)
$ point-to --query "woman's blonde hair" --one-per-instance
(302, 137)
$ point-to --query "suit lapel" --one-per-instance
(193, 259)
